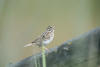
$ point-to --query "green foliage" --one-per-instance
(37, 61)
(43, 56)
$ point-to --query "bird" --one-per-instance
(44, 39)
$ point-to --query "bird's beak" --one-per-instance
(53, 27)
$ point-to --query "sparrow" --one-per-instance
(44, 39)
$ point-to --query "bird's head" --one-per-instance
(50, 28)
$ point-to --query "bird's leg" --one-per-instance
(46, 48)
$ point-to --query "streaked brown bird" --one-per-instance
(44, 39)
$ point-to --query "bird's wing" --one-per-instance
(46, 35)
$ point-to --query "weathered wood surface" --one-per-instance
(82, 51)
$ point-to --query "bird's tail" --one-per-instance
(30, 44)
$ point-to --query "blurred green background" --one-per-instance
(21, 21)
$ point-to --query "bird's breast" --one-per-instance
(47, 41)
